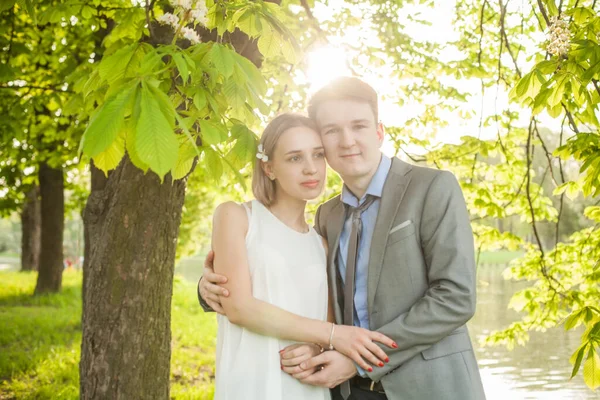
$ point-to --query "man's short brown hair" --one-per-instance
(344, 88)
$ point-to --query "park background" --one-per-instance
(124, 123)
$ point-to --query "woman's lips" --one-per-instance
(310, 184)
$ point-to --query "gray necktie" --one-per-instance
(355, 213)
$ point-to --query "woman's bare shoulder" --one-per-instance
(231, 213)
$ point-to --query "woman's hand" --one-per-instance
(357, 343)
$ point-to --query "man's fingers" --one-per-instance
(210, 257)
(216, 289)
(304, 374)
(316, 379)
(296, 360)
(292, 370)
(322, 358)
(211, 277)
(216, 307)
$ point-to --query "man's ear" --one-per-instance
(380, 132)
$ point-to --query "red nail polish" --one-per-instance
(394, 345)
(370, 369)
(381, 364)
(387, 359)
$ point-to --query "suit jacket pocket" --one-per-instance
(405, 231)
(453, 343)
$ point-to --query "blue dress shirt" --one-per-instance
(368, 218)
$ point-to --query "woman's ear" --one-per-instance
(267, 168)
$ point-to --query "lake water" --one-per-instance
(539, 370)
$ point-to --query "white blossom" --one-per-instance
(185, 4)
(200, 12)
(190, 35)
(170, 19)
(559, 37)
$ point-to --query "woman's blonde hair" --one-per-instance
(263, 188)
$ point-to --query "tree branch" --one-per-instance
(543, 11)
(504, 37)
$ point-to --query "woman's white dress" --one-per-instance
(288, 270)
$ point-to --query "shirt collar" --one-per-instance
(375, 188)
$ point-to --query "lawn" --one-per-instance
(40, 339)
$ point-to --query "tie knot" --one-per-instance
(357, 211)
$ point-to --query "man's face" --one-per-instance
(351, 137)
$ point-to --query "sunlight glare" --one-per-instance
(325, 64)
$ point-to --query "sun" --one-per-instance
(325, 64)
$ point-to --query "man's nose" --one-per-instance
(347, 139)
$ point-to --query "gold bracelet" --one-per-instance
(331, 336)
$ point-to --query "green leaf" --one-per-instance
(213, 164)
(574, 319)
(6, 4)
(523, 84)
(185, 160)
(111, 157)
(244, 149)
(211, 133)
(200, 99)
(269, 43)
(182, 67)
(576, 359)
(131, 150)
(155, 140)
(591, 370)
(552, 9)
(106, 123)
(593, 213)
(221, 58)
(114, 66)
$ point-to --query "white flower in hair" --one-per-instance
(261, 154)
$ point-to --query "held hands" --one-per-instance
(209, 285)
(357, 343)
(292, 356)
(327, 369)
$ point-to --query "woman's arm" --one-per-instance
(230, 226)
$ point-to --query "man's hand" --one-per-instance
(209, 288)
(295, 354)
(328, 369)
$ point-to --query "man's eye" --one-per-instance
(320, 154)
(295, 158)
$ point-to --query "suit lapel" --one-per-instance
(335, 222)
(393, 191)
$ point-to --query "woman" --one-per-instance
(276, 264)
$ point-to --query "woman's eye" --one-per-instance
(295, 158)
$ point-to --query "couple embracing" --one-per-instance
(373, 300)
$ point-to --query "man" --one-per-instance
(401, 261)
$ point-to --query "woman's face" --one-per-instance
(298, 163)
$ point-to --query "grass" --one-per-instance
(40, 339)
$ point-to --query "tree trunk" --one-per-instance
(31, 226)
(53, 223)
(131, 226)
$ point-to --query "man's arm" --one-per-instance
(209, 289)
(447, 244)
